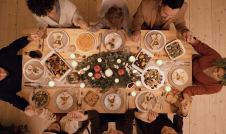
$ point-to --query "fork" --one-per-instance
(100, 42)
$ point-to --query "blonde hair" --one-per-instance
(168, 130)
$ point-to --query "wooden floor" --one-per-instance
(205, 18)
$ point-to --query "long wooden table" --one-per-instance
(75, 90)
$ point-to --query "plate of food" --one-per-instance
(85, 42)
(56, 65)
(152, 78)
(145, 101)
(112, 102)
(113, 41)
(64, 101)
(178, 77)
(155, 40)
(91, 98)
(39, 98)
(33, 70)
(175, 49)
(142, 60)
(57, 40)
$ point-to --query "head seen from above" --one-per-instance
(219, 71)
(42, 7)
(114, 15)
(170, 8)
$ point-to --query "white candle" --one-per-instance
(159, 62)
(51, 83)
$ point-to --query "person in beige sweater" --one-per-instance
(159, 14)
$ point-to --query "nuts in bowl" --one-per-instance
(175, 49)
(152, 78)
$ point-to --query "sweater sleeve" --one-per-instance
(205, 50)
(138, 19)
(201, 89)
(180, 23)
(178, 124)
(15, 46)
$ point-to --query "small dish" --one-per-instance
(39, 98)
(85, 42)
(175, 49)
(113, 41)
(145, 101)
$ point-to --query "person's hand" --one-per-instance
(30, 111)
(36, 35)
(152, 115)
(76, 115)
(184, 107)
(188, 37)
(83, 24)
(136, 36)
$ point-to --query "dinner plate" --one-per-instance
(39, 98)
(33, 70)
(85, 42)
(57, 40)
(112, 102)
(113, 41)
(178, 77)
(145, 101)
(155, 40)
(64, 100)
(152, 78)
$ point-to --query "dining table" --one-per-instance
(70, 54)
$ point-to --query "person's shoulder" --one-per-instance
(67, 4)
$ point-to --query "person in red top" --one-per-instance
(208, 70)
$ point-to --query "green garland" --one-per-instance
(92, 70)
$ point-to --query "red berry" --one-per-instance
(97, 68)
(97, 75)
(121, 71)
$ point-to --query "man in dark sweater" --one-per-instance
(11, 70)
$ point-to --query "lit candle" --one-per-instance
(74, 64)
(72, 56)
(167, 88)
(133, 93)
(51, 83)
(159, 62)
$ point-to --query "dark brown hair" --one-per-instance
(115, 16)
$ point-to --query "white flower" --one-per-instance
(116, 80)
(99, 60)
(108, 72)
(119, 61)
(132, 58)
(90, 74)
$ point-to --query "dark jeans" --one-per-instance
(99, 122)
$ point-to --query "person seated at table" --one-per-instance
(11, 70)
(56, 13)
(154, 123)
(159, 14)
(99, 121)
(113, 14)
(73, 122)
(208, 70)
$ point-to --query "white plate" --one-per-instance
(181, 46)
(33, 70)
(57, 40)
(155, 37)
(179, 76)
(141, 99)
(64, 101)
(159, 72)
(89, 43)
(112, 102)
(113, 41)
